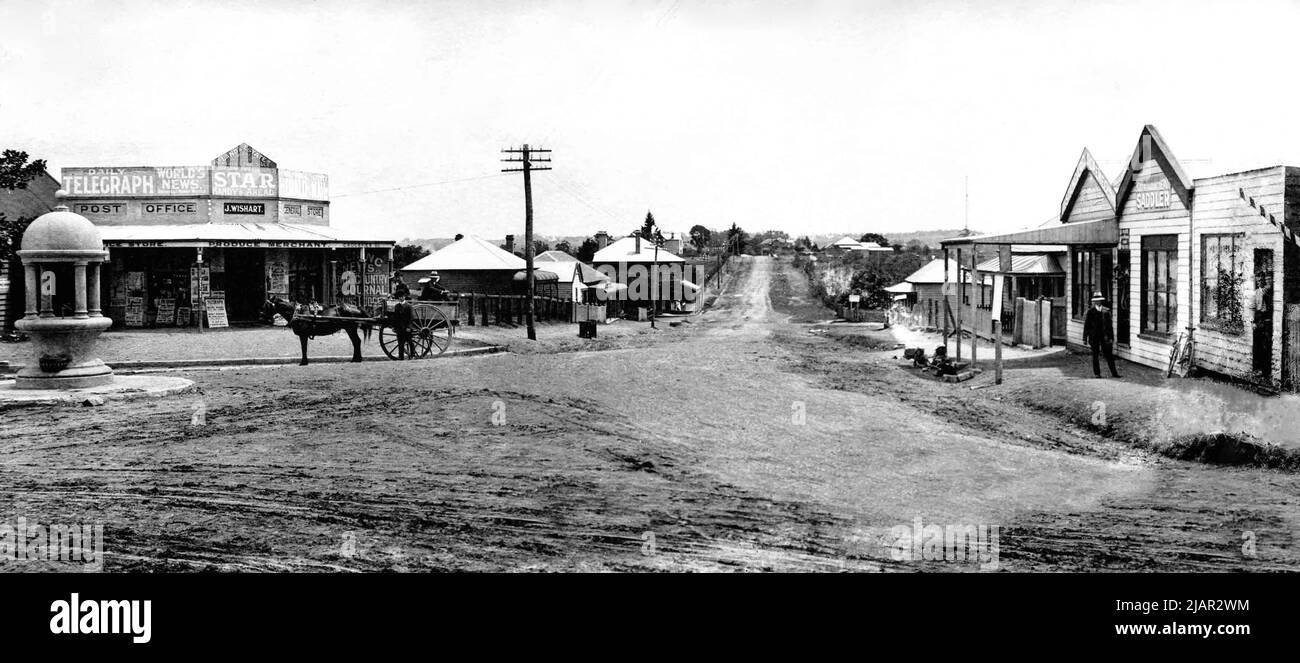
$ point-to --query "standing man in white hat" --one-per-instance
(1099, 333)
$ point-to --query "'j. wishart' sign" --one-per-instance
(244, 208)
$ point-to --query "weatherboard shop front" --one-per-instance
(232, 233)
(1210, 266)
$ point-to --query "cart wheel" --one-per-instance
(388, 342)
(431, 330)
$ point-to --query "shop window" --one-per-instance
(1159, 284)
(1221, 282)
(1084, 276)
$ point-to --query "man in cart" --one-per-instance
(431, 290)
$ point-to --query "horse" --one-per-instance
(306, 328)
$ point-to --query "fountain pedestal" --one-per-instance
(63, 342)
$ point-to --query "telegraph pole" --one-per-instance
(526, 160)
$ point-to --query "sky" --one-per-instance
(802, 116)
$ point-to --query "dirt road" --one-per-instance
(735, 442)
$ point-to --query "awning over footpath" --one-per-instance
(1104, 232)
(237, 236)
(1025, 265)
(900, 288)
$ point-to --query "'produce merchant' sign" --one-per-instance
(137, 181)
(245, 243)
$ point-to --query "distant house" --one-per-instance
(571, 274)
(474, 265)
(635, 262)
(845, 243)
(924, 291)
(31, 202)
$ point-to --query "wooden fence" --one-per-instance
(474, 309)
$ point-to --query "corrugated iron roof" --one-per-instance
(1024, 264)
(932, 272)
(470, 253)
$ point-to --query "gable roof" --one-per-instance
(1152, 146)
(932, 272)
(846, 241)
(243, 155)
(32, 201)
(1086, 169)
(568, 267)
(470, 253)
(554, 256)
(624, 250)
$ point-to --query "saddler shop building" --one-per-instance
(232, 233)
(1209, 265)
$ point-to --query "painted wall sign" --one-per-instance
(1153, 198)
(304, 186)
(170, 208)
(292, 209)
(131, 243)
(315, 210)
(47, 283)
(243, 208)
(137, 181)
(98, 208)
(182, 180)
(244, 182)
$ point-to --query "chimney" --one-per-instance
(673, 246)
(602, 239)
(638, 242)
(510, 243)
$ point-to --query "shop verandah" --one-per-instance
(981, 308)
(168, 286)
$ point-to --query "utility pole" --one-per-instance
(526, 161)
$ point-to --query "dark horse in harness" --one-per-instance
(306, 327)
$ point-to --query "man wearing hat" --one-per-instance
(1099, 334)
(430, 289)
(398, 288)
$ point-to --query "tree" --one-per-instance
(767, 241)
(565, 246)
(648, 228)
(587, 251)
(405, 254)
(700, 237)
(736, 239)
(874, 237)
(15, 173)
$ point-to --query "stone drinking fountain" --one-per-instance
(63, 342)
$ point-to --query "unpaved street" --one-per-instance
(737, 441)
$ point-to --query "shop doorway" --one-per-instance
(1262, 341)
(245, 284)
(1121, 298)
